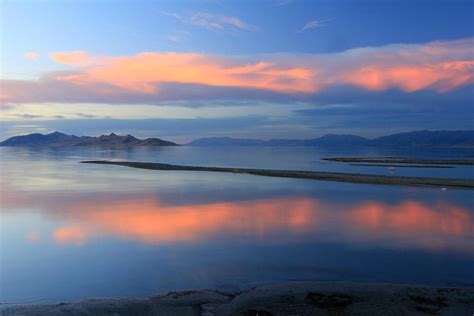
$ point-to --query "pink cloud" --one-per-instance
(440, 66)
(32, 55)
(142, 72)
(76, 58)
(441, 77)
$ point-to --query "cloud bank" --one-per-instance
(440, 66)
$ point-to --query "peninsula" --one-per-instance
(402, 160)
(313, 175)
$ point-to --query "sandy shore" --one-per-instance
(305, 298)
(327, 176)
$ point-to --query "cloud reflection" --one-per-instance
(413, 224)
(146, 220)
(158, 220)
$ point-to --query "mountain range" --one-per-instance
(58, 139)
(461, 138)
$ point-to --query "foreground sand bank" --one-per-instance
(304, 298)
(327, 176)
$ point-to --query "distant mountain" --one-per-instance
(340, 140)
(416, 138)
(428, 138)
(327, 140)
(57, 139)
(225, 141)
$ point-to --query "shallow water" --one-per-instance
(71, 231)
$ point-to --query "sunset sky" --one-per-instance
(181, 70)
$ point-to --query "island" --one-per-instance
(61, 140)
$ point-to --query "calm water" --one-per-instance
(71, 231)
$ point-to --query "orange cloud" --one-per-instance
(441, 66)
(143, 73)
(76, 58)
(442, 77)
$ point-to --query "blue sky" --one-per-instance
(283, 69)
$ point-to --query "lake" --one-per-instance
(72, 231)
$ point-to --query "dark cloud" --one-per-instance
(347, 108)
(27, 116)
(47, 89)
(395, 98)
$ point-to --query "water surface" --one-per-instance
(71, 231)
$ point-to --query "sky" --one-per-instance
(182, 70)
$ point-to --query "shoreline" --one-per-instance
(300, 298)
(459, 162)
(400, 166)
(311, 175)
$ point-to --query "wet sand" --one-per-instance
(313, 175)
(302, 298)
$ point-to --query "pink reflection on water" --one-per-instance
(408, 224)
(436, 227)
(148, 221)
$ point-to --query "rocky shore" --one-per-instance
(303, 298)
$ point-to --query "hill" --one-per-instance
(58, 139)
(415, 138)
